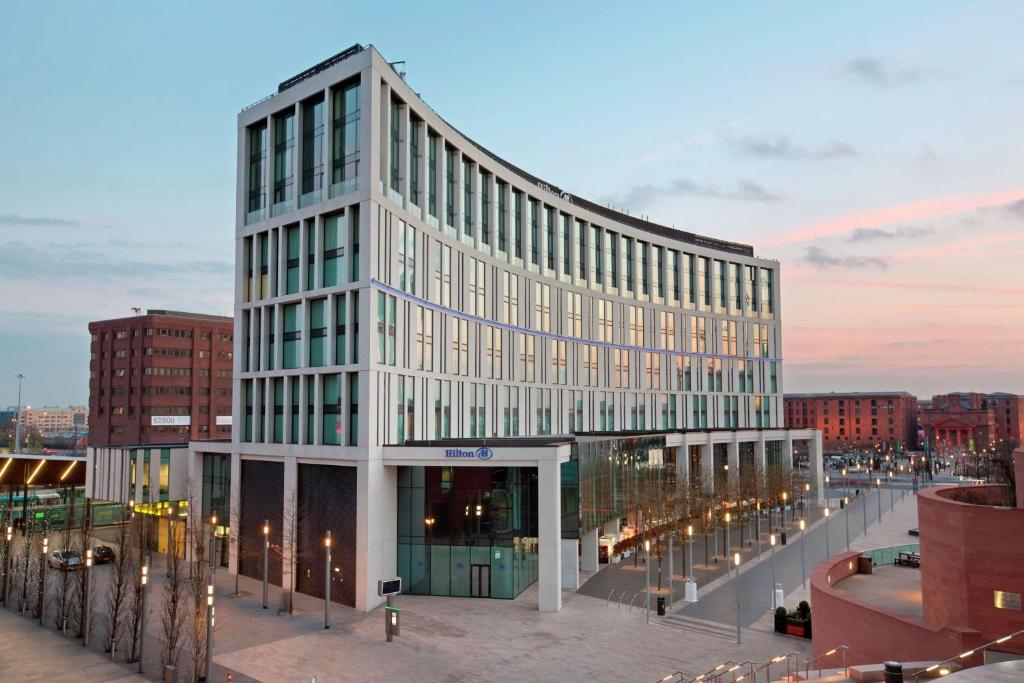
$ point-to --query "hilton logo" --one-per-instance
(554, 190)
(483, 453)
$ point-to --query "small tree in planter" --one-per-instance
(780, 619)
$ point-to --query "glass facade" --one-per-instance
(467, 531)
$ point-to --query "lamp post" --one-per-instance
(85, 598)
(42, 580)
(888, 478)
(17, 417)
(845, 482)
(771, 539)
(757, 525)
(327, 580)
(728, 544)
(143, 581)
(878, 494)
(864, 508)
(647, 577)
(785, 495)
(828, 551)
(209, 631)
(689, 555)
(266, 558)
(846, 516)
(736, 560)
(803, 562)
(671, 566)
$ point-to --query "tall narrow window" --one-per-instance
(312, 150)
(257, 177)
(517, 224)
(345, 155)
(549, 230)
(467, 197)
(395, 144)
(502, 217)
(284, 162)
(485, 208)
(432, 141)
(612, 240)
(331, 419)
(317, 333)
(566, 244)
(292, 256)
(449, 195)
(414, 160)
(535, 232)
(630, 263)
(645, 285)
(340, 328)
(292, 337)
(334, 250)
(581, 250)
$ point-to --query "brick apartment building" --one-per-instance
(962, 420)
(160, 378)
(856, 419)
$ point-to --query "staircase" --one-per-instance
(707, 628)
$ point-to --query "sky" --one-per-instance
(873, 149)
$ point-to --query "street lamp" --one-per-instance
(736, 561)
(828, 551)
(647, 575)
(85, 598)
(878, 494)
(728, 544)
(42, 580)
(327, 579)
(143, 580)
(689, 555)
(209, 631)
(803, 562)
(771, 539)
(888, 477)
(784, 496)
(864, 508)
(846, 516)
(266, 559)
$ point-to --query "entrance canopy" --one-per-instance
(32, 469)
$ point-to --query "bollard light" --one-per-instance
(327, 542)
(801, 525)
(88, 557)
(145, 574)
(736, 559)
(771, 539)
(826, 512)
(728, 517)
(266, 529)
(689, 530)
(209, 594)
(647, 546)
(10, 531)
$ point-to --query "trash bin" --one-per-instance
(170, 674)
(661, 605)
(842, 503)
(783, 538)
(893, 672)
(864, 565)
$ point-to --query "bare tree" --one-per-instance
(136, 592)
(118, 587)
(64, 598)
(199, 575)
(173, 612)
(85, 599)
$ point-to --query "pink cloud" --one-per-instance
(931, 207)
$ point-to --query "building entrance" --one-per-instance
(480, 581)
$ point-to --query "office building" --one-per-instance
(882, 420)
(453, 365)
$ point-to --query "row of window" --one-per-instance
(287, 400)
(337, 160)
(162, 332)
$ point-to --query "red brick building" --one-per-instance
(962, 420)
(160, 378)
(856, 419)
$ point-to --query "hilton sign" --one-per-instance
(482, 453)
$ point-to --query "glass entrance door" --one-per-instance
(480, 581)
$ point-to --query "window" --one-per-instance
(395, 144)
(292, 255)
(335, 233)
(549, 229)
(449, 197)
(511, 411)
(629, 263)
(534, 232)
(510, 298)
(432, 142)
(574, 314)
(502, 217)
(493, 351)
(312, 146)
(467, 197)
(386, 307)
(317, 333)
(406, 257)
(353, 408)
(331, 418)
(542, 307)
(598, 253)
(517, 224)
(612, 247)
(442, 409)
(424, 339)
(581, 250)
(475, 289)
(485, 208)
(645, 289)
(442, 274)
(527, 357)
(292, 336)
(341, 323)
(477, 410)
(415, 154)
(345, 155)
(257, 180)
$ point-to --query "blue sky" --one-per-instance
(873, 148)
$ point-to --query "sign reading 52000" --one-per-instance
(482, 453)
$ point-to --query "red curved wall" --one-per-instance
(969, 550)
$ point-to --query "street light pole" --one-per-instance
(266, 560)
(143, 580)
(846, 516)
(42, 580)
(689, 555)
(888, 478)
(327, 580)
(878, 494)
(7, 562)
(670, 567)
(771, 539)
(736, 560)
(647, 577)
(828, 551)
(728, 543)
(803, 562)
(209, 632)
(864, 508)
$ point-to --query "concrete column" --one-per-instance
(303, 408)
(733, 457)
(549, 515)
(570, 563)
(683, 462)
(384, 108)
(286, 403)
(787, 449)
(707, 465)
(376, 528)
(814, 464)
(328, 150)
(588, 558)
(304, 284)
(288, 515)
(760, 457)
(318, 253)
(318, 409)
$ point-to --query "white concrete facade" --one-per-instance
(426, 289)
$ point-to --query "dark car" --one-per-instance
(67, 560)
(102, 554)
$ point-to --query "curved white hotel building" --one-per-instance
(445, 361)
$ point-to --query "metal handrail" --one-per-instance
(809, 662)
(713, 674)
(767, 666)
(965, 655)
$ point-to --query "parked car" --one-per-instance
(66, 560)
(103, 554)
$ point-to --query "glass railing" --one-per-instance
(310, 198)
(256, 215)
(284, 207)
(886, 556)
(344, 187)
(433, 222)
(396, 197)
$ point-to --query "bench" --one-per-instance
(908, 560)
